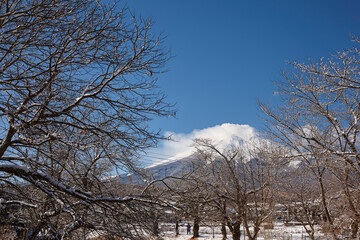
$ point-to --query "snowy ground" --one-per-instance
(279, 232)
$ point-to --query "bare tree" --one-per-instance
(300, 198)
(190, 194)
(78, 87)
(241, 177)
(318, 120)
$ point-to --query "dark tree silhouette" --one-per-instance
(78, 87)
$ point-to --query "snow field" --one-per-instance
(280, 232)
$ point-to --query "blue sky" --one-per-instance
(227, 54)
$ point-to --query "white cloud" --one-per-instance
(181, 144)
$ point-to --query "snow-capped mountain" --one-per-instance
(180, 150)
(158, 171)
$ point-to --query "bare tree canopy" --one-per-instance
(78, 87)
(318, 119)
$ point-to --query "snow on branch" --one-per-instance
(31, 176)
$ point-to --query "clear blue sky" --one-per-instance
(227, 54)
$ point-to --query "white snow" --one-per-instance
(207, 232)
(181, 144)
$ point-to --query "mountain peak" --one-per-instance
(180, 145)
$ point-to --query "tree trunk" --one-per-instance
(224, 220)
(354, 229)
(196, 227)
(256, 231)
(236, 231)
(176, 227)
(155, 224)
(325, 206)
(223, 231)
(156, 228)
